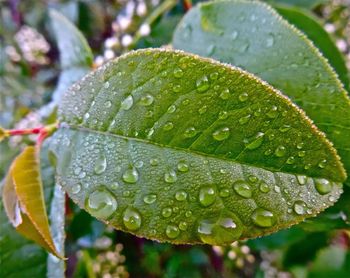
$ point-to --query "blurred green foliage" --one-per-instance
(312, 249)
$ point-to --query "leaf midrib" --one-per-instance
(86, 129)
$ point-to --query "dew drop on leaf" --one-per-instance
(243, 97)
(244, 120)
(100, 165)
(101, 203)
(190, 132)
(131, 175)
(172, 231)
(168, 126)
(254, 142)
(178, 73)
(76, 188)
(183, 226)
(180, 195)
(280, 151)
(299, 207)
(263, 187)
(202, 84)
(273, 113)
(127, 103)
(167, 212)
(263, 218)
(146, 100)
(323, 186)
(207, 196)
(150, 198)
(301, 179)
(182, 167)
(170, 176)
(242, 189)
(221, 134)
(132, 219)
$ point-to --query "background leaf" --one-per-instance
(211, 162)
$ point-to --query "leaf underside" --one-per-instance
(253, 36)
(174, 147)
(24, 199)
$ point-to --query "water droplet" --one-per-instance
(255, 141)
(181, 195)
(270, 41)
(100, 165)
(273, 112)
(268, 152)
(170, 176)
(323, 186)
(280, 151)
(108, 103)
(132, 219)
(168, 126)
(182, 167)
(154, 161)
(284, 128)
(224, 193)
(190, 132)
(322, 163)
(101, 203)
(221, 134)
(331, 198)
(242, 189)
(301, 179)
(299, 207)
(150, 198)
(126, 193)
(178, 73)
(277, 189)
(213, 76)
(263, 187)
(127, 103)
(106, 85)
(243, 97)
(300, 145)
(253, 179)
(207, 196)
(223, 115)
(172, 231)
(301, 153)
(290, 160)
(76, 188)
(263, 218)
(188, 213)
(146, 100)
(167, 212)
(115, 185)
(131, 175)
(183, 226)
(202, 84)
(225, 94)
(202, 110)
(171, 109)
(177, 88)
(245, 119)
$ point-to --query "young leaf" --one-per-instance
(174, 147)
(24, 199)
(307, 23)
(253, 36)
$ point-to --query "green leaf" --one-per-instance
(24, 199)
(253, 36)
(19, 255)
(309, 4)
(311, 26)
(174, 147)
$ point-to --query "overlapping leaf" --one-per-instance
(253, 36)
(173, 147)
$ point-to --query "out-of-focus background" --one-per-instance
(29, 72)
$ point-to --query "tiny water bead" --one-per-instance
(224, 193)
(177, 88)
(181, 195)
(223, 115)
(263, 218)
(225, 94)
(182, 167)
(301, 153)
(171, 109)
(146, 100)
(131, 175)
(100, 165)
(214, 76)
(170, 176)
(322, 163)
(301, 179)
(242, 189)
(221, 134)
(323, 186)
(167, 212)
(254, 142)
(284, 128)
(243, 97)
(280, 151)
(202, 110)
(183, 226)
(207, 196)
(290, 160)
(244, 120)
(108, 104)
(299, 207)
(150, 198)
(202, 84)
(178, 73)
(127, 103)
(101, 203)
(132, 219)
(76, 188)
(154, 161)
(190, 132)
(263, 187)
(172, 231)
(168, 126)
(273, 113)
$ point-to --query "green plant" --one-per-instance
(176, 147)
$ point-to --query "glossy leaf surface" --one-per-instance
(253, 36)
(173, 147)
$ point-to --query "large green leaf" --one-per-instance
(311, 26)
(174, 147)
(253, 36)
